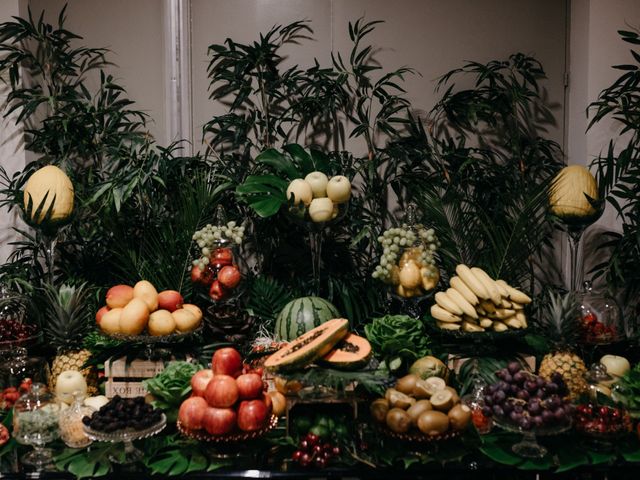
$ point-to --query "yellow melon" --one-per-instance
(569, 192)
(53, 183)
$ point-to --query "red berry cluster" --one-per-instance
(10, 395)
(594, 331)
(312, 452)
(593, 419)
(12, 329)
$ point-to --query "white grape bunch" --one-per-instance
(211, 237)
(396, 240)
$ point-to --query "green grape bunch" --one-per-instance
(211, 237)
(396, 240)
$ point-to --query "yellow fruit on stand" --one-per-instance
(569, 192)
(52, 183)
(410, 275)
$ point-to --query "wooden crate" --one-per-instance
(125, 378)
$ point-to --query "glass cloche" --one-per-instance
(601, 317)
(408, 261)
(218, 266)
(35, 423)
(601, 416)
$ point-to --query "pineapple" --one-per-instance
(67, 322)
(561, 325)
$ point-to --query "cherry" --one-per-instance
(297, 455)
(312, 438)
(304, 445)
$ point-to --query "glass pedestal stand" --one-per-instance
(316, 232)
(575, 228)
(127, 437)
(529, 447)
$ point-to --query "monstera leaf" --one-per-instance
(266, 193)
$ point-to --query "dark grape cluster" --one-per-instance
(526, 400)
(12, 329)
(121, 413)
(312, 452)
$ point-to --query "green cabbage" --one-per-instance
(398, 340)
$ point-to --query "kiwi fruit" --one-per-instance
(442, 400)
(459, 417)
(407, 383)
(418, 409)
(398, 420)
(379, 409)
(454, 392)
(433, 423)
(400, 400)
(426, 388)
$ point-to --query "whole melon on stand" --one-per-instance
(301, 315)
(48, 196)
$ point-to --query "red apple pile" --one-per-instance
(221, 275)
(226, 397)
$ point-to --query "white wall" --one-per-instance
(432, 36)
(134, 32)
(12, 156)
(595, 46)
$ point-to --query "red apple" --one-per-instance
(222, 256)
(229, 276)
(222, 391)
(217, 291)
(252, 415)
(218, 421)
(204, 277)
(170, 300)
(249, 386)
(200, 381)
(100, 313)
(226, 361)
(192, 411)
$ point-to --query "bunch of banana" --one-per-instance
(476, 303)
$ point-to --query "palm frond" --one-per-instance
(267, 298)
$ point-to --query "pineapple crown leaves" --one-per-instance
(559, 320)
(67, 315)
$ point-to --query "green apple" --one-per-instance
(321, 209)
(318, 182)
(301, 191)
(68, 383)
(616, 365)
(339, 189)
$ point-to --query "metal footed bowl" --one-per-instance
(127, 434)
(150, 339)
(417, 436)
(234, 437)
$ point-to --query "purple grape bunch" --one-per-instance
(526, 400)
